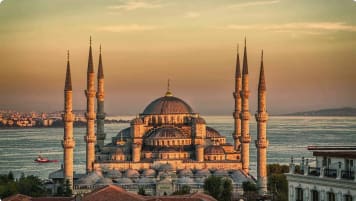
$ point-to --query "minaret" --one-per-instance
(237, 96)
(261, 142)
(90, 137)
(245, 116)
(100, 115)
(68, 142)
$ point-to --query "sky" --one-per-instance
(309, 52)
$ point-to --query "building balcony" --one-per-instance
(346, 174)
(330, 172)
(313, 171)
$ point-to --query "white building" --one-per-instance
(331, 179)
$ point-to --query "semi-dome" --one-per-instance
(168, 132)
(212, 133)
(203, 173)
(185, 173)
(113, 174)
(214, 150)
(149, 173)
(131, 173)
(168, 105)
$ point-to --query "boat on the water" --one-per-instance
(41, 159)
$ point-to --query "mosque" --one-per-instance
(168, 145)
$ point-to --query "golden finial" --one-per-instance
(67, 55)
(237, 48)
(100, 49)
(90, 40)
(169, 93)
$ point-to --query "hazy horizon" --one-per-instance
(309, 52)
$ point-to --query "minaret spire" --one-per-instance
(100, 114)
(90, 93)
(245, 115)
(68, 142)
(68, 82)
(90, 59)
(262, 81)
(262, 142)
(237, 96)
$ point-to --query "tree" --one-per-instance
(250, 190)
(277, 181)
(27, 185)
(218, 187)
(141, 190)
(226, 193)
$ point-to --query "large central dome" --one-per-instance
(168, 105)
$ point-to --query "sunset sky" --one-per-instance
(309, 50)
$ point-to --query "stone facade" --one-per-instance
(331, 179)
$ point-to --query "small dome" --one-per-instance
(167, 132)
(185, 173)
(199, 120)
(149, 173)
(185, 180)
(136, 121)
(221, 173)
(131, 173)
(203, 173)
(168, 105)
(145, 180)
(211, 133)
(90, 179)
(123, 181)
(166, 167)
(214, 150)
(104, 181)
(113, 174)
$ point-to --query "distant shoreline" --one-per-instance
(333, 112)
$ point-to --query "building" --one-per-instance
(332, 178)
(114, 193)
(168, 145)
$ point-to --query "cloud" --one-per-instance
(254, 3)
(134, 5)
(191, 14)
(127, 28)
(302, 27)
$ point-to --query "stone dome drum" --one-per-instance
(167, 105)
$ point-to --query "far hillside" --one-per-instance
(345, 111)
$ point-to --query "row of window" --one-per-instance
(315, 196)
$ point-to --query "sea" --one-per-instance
(288, 137)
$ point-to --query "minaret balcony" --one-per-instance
(246, 139)
(100, 115)
(261, 116)
(236, 114)
(90, 115)
(245, 94)
(261, 144)
(100, 96)
(68, 144)
(90, 139)
(68, 117)
(100, 136)
(245, 115)
(236, 95)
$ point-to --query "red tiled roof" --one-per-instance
(18, 197)
(111, 193)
